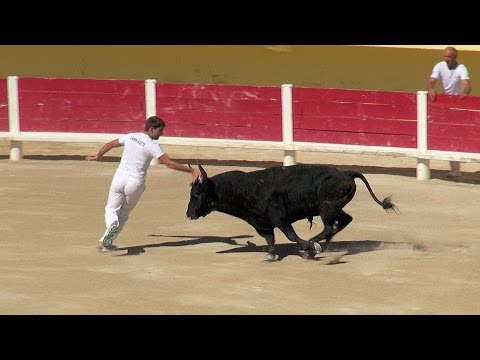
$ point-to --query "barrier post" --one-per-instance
(423, 165)
(289, 157)
(151, 97)
(151, 104)
(14, 117)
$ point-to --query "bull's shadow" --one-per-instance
(283, 250)
(345, 247)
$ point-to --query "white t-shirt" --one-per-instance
(139, 150)
(451, 79)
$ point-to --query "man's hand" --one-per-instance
(462, 96)
(92, 158)
(432, 94)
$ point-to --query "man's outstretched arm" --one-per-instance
(105, 148)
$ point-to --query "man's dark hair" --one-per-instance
(155, 122)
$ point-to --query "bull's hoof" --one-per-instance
(314, 246)
(318, 247)
(271, 257)
(307, 254)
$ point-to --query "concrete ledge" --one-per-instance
(54, 136)
(289, 150)
(5, 136)
(450, 156)
(246, 144)
(353, 149)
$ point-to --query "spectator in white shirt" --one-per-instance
(455, 81)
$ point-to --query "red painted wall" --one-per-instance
(3, 106)
(355, 117)
(221, 111)
(454, 124)
(81, 105)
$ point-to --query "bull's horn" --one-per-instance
(202, 172)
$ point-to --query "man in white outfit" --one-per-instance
(455, 81)
(128, 183)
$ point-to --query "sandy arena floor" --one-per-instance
(424, 260)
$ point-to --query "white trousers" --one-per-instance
(125, 192)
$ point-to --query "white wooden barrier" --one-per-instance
(424, 154)
(13, 118)
(289, 156)
(289, 147)
(151, 104)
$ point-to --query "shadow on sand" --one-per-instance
(137, 250)
(343, 248)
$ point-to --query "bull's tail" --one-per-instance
(386, 203)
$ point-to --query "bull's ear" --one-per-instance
(203, 173)
(188, 163)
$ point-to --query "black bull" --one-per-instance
(278, 196)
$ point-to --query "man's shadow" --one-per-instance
(192, 240)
